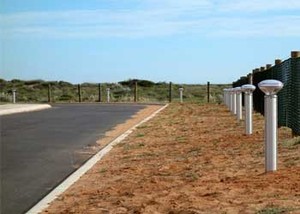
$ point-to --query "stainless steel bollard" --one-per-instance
(248, 90)
(181, 94)
(14, 95)
(230, 99)
(233, 101)
(270, 88)
(108, 95)
(224, 96)
(239, 110)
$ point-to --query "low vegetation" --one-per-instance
(36, 91)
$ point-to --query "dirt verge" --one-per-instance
(190, 159)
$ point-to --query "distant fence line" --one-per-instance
(135, 91)
(287, 72)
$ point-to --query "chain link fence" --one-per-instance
(287, 72)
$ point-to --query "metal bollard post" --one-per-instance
(14, 95)
(225, 98)
(248, 90)
(233, 101)
(108, 95)
(270, 88)
(239, 110)
(230, 99)
(181, 94)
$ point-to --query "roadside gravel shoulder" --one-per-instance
(191, 158)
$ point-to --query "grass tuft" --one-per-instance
(291, 142)
(273, 210)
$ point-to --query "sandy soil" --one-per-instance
(191, 158)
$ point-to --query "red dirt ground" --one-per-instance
(191, 158)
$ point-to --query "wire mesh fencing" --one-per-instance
(287, 72)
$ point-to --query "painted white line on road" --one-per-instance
(44, 203)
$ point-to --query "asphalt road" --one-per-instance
(40, 149)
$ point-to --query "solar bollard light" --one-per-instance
(14, 95)
(233, 101)
(270, 88)
(248, 90)
(224, 96)
(239, 110)
(230, 99)
(108, 95)
(181, 94)
(227, 97)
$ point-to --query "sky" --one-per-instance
(183, 41)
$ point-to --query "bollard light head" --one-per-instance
(248, 88)
(270, 87)
(181, 89)
(238, 89)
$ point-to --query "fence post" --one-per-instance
(278, 61)
(108, 95)
(79, 93)
(295, 54)
(170, 92)
(135, 91)
(270, 88)
(208, 92)
(49, 93)
(99, 93)
(250, 78)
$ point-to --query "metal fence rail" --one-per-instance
(287, 72)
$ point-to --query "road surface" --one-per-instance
(40, 149)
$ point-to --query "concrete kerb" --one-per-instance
(20, 108)
(61, 188)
